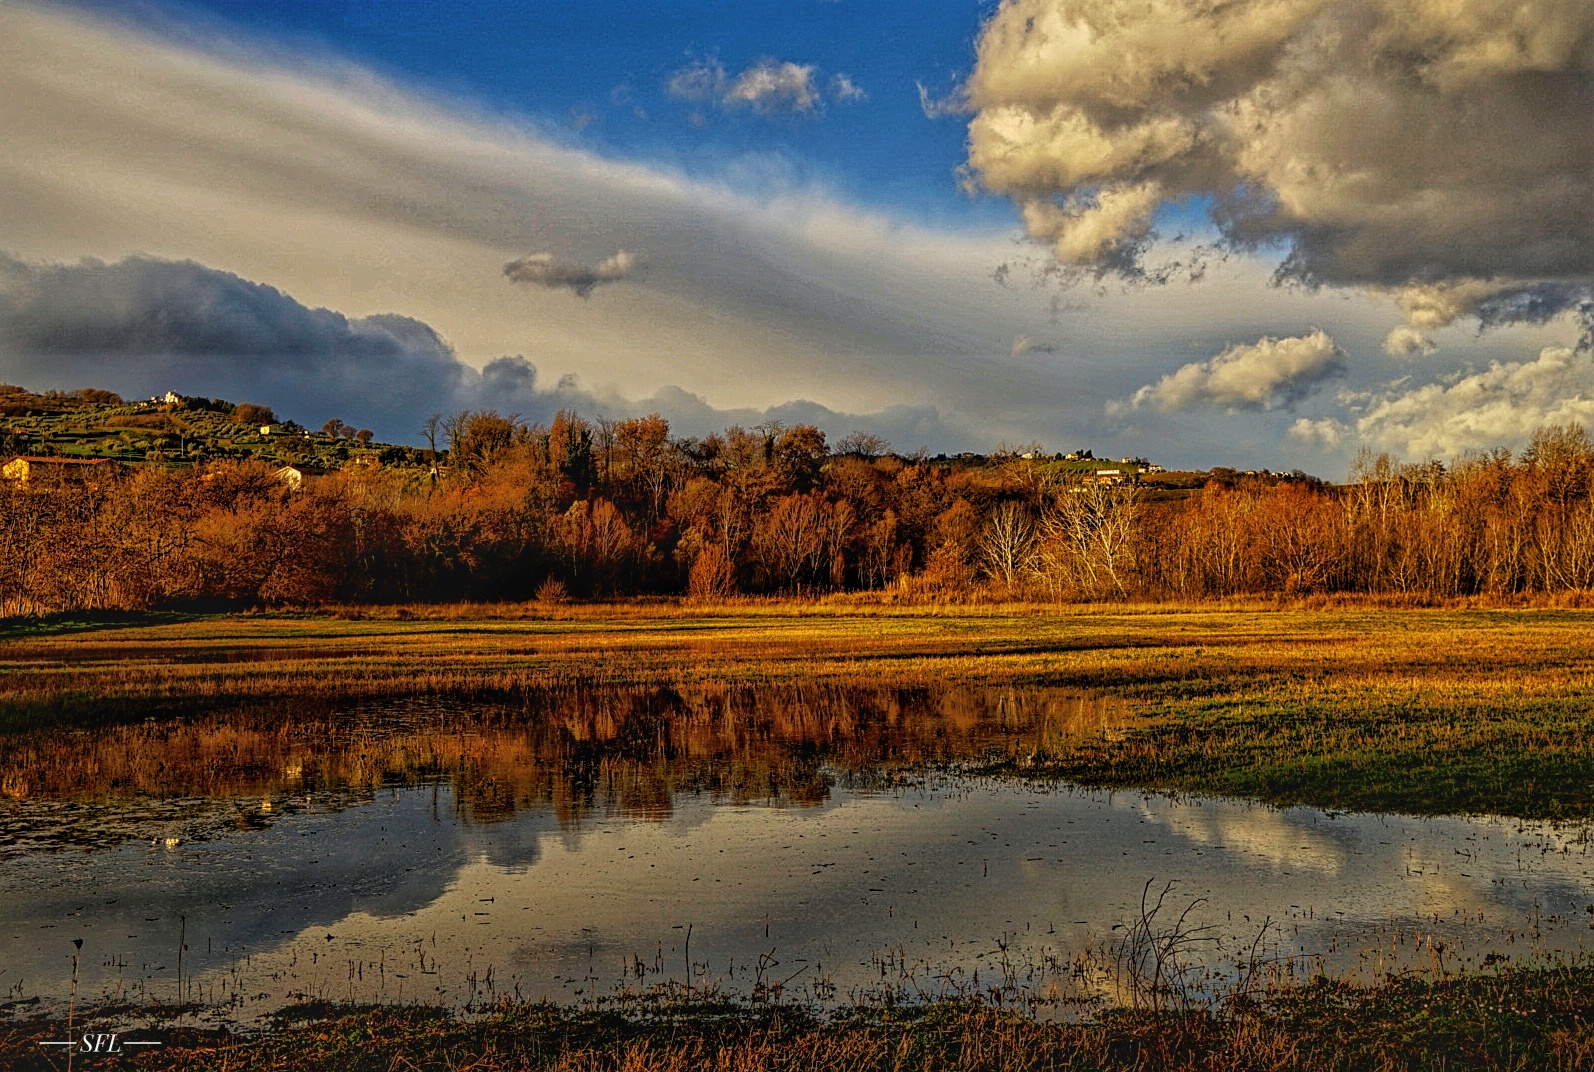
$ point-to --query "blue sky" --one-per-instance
(597, 73)
(1262, 234)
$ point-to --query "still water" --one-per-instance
(818, 844)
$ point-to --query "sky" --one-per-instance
(1258, 234)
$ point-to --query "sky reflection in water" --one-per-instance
(569, 847)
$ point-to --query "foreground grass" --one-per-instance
(1421, 711)
(1520, 1018)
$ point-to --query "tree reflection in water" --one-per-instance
(579, 752)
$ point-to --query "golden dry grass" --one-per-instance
(1424, 710)
(1138, 651)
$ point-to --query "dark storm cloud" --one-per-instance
(141, 325)
(544, 270)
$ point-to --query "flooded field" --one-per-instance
(820, 844)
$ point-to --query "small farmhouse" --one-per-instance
(296, 476)
(25, 468)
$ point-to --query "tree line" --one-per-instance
(599, 509)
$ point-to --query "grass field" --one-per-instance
(1422, 711)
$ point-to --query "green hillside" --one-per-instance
(181, 430)
(176, 430)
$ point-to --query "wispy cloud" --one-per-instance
(1023, 344)
(768, 87)
(700, 81)
(954, 103)
(843, 90)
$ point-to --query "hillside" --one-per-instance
(175, 430)
(181, 430)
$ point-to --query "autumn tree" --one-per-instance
(791, 540)
(798, 454)
(257, 416)
(477, 437)
(568, 444)
(596, 543)
(644, 460)
(861, 444)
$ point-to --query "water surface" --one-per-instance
(814, 843)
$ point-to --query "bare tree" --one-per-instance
(430, 429)
(882, 560)
(1007, 543)
(862, 445)
(1091, 531)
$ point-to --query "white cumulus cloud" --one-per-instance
(1499, 406)
(1436, 150)
(1318, 432)
(1264, 375)
(1407, 341)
